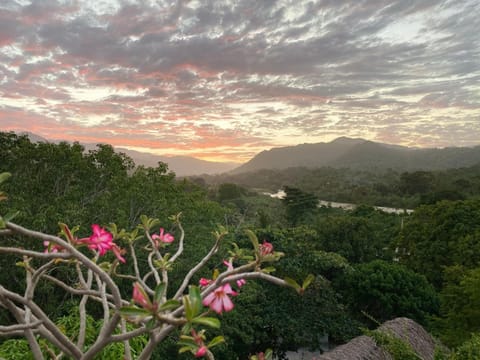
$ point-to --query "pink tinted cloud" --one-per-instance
(18, 120)
(9, 27)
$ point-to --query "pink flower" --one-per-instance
(218, 300)
(266, 248)
(166, 238)
(229, 266)
(241, 282)
(54, 248)
(102, 241)
(118, 253)
(140, 296)
(202, 351)
(204, 282)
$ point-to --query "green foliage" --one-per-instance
(460, 310)
(362, 235)
(229, 191)
(383, 187)
(387, 290)
(265, 313)
(13, 349)
(438, 236)
(62, 182)
(470, 350)
(396, 347)
(417, 182)
(298, 204)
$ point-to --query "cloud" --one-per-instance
(234, 76)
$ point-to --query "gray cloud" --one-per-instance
(319, 67)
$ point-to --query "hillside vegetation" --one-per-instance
(361, 154)
(369, 266)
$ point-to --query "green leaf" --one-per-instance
(186, 328)
(195, 300)
(105, 266)
(215, 341)
(4, 176)
(268, 269)
(3, 225)
(133, 311)
(187, 341)
(207, 321)
(10, 215)
(184, 349)
(254, 240)
(292, 283)
(169, 305)
(148, 223)
(67, 232)
(159, 292)
(188, 308)
(308, 280)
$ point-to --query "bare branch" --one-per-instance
(130, 335)
(70, 348)
(36, 254)
(19, 327)
(135, 261)
(89, 264)
(126, 343)
(154, 271)
(102, 288)
(81, 308)
(197, 267)
(180, 243)
(257, 275)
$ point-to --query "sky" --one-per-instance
(223, 80)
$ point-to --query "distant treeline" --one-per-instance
(389, 187)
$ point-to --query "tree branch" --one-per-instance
(197, 267)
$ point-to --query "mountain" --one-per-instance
(33, 137)
(361, 154)
(180, 165)
(307, 155)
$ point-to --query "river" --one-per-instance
(280, 194)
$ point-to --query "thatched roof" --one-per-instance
(365, 348)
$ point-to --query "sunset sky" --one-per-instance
(223, 80)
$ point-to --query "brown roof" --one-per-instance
(365, 348)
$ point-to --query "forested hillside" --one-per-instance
(361, 154)
(400, 189)
(369, 265)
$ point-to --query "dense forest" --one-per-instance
(369, 266)
(381, 187)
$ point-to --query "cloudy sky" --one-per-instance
(226, 79)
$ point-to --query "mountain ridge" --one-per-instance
(180, 165)
(342, 152)
(359, 153)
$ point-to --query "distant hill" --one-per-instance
(33, 137)
(180, 165)
(362, 154)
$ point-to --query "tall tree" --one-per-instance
(441, 235)
(298, 204)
